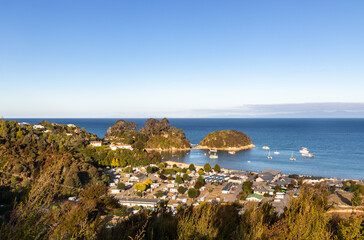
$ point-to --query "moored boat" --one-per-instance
(265, 148)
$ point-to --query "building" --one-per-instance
(71, 125)
(254, 197)
(236, 180)
(138, 178)
(227, 188)
(120, 146)
(96, 143)
(38, 126)
(144, 202)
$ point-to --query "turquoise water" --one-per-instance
(338, 144)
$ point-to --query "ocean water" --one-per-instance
(338, 144)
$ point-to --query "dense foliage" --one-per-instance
(154, 135)
(225, 139)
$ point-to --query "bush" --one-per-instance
(121, 186)
(217, 168)
(192, 193)
(192, 167)
(207, 167)
(181, 190)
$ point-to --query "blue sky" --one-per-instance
(180, 58)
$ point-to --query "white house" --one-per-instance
(173, 190)
(120, 146)
(38, 126)
(96, 143)
(71, 125)
(115, 191)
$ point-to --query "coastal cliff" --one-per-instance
(226, 140)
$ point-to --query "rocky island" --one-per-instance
(226, 140)
(155, 135)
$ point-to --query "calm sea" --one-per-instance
(338, 144)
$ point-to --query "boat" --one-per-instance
(213, 150)
(304, 150)
(265, 148)
(231, 152)
(308, 155)
(277, 153)
(249, 161)
(292, 158)
(214, 156)
(269, 156)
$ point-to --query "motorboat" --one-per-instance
(277, 153)
(308, 155)
(265, 148)
(231, 152)
(214, 156)
(304, 150)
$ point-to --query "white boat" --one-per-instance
(269, 156)
(292, 158)
(309, 155)
(304, 150)
(277, 153)
(231, 152)
(213, 150)
(214, 156)
(265, 147)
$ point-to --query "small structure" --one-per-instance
(120, 146)
(71, 125)
(254, 197)
(96, 143)
(38, 126)
(115, 191)
(236, 180)
(144, 202)
(138, 178)
(227, 188)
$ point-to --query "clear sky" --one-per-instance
(179, 58)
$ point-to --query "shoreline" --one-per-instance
(243, 148)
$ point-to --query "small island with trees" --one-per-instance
(226, 140)
(155, 135)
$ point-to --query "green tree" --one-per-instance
(186, 177)
(192, 167)
(178, 179)
(357, 199)
(200, 172)
(217, 168)
(200, 179)
(181, 190)
(121, 186)
(207, 167)
(192, 193)
(159, 194)
(149, 169)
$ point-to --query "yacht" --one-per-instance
(304, 150)
(265, 148)
(292, 158)
(277, 153)
(309, 155)
(269, 156)
(214, 156)
(231, 152)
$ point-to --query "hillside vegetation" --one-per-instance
(155, 134)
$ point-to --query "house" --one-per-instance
(227, 188)
(120, 146)
(115, 191)
(138, 178)
(261, 191)
(236, 180)
(144, 202)
(71, 125)
(96, 143)
(37, 126)
(269, 172)
(254, 197)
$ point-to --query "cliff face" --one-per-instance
(226, 139)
